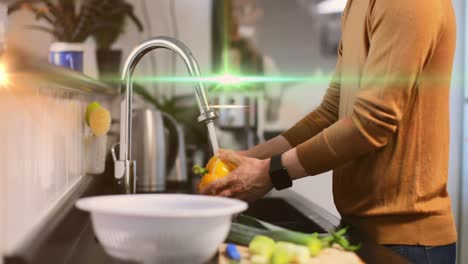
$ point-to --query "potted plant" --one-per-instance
(109, 59)
(69, 27)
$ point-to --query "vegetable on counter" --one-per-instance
(282, 254)
(276, 245)
(262, 246)
(312, 242)
(338, 238)
(215, 169)
(243, 235)
(286, 252)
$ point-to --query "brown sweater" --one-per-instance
(383, 125)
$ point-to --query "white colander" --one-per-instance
(161, 228)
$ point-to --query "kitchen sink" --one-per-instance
(279, 212)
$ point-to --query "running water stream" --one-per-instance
(213, 138)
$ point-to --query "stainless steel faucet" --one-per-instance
(125, 167)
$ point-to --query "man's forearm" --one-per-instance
(326, 151)
(270, 148)
(291, 162)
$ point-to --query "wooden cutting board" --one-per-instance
(327, 256)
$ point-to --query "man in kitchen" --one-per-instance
(382, 127)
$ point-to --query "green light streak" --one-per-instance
(233, 80)
(228, 79)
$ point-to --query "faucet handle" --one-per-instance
(124, 173)
(114, 156)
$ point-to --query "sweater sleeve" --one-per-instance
(402, 37)
(323, 116)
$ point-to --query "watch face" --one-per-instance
(280, 179)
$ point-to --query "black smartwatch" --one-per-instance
(279, 174)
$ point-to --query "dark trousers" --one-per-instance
(427, 255)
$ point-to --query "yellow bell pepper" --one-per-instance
(215, 169)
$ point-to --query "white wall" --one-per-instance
(42, 154)
(456, 117)
(461, 116)
(290, 35)
(32, 41)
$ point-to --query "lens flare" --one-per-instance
(228, 79)
(3, 76)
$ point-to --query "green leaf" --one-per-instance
(341, 232)
(354, 247)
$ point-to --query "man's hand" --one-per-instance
(250, 181)
(244, 153)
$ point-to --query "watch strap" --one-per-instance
(279, 174)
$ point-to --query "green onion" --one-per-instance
(312, 242)
(243, 234)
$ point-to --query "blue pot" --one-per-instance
(68, 55)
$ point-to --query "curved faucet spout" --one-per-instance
(124, 167)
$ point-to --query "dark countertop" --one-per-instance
(72, 239)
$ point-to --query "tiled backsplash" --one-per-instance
(42, 135)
